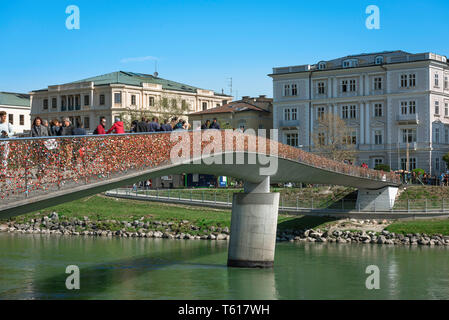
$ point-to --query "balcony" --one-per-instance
(408, 118)
(288, 123)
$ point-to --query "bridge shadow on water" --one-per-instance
(130, 278)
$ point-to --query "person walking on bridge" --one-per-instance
(38, 129)
(214, 125)
(100, 129)
(154, 126)
(117, 127)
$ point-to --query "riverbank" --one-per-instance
(109, 217)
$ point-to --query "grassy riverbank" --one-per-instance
(106, 209)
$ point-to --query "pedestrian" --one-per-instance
(67, 127)
(166, 126)
(134, 126)
(173, 122)
(117, 127)
(45, 124)
(79, 130)
(142, 125)
(100, 129)
(214, 125)
(55, 128)
(6, 129)
(38, 129)
(154, 126)
(206, 125)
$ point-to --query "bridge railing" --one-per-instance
(35, 166)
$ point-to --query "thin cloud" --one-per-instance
(138, 59)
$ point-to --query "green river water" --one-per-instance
(33, 267)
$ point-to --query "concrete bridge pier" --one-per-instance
(253, 226)
(376, 200)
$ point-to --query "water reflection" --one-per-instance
(33, 267)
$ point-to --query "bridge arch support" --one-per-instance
(376, 200)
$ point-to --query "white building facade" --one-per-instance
(112, 94)
(388, 99)
(17, 107)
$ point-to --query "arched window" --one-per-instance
(321, 65)
(379, 60)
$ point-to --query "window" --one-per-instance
(45, 104)
(133, 100)
(352, 86)
(294, 90)
(437, 164)
(408, 135)
(102, 99)
(294, 114)
(412, 164)
(63, 103)
(437, 135)
(86, 100)
(446, 109)
(286, 90)
(437, 80)
(292, 139)
(408, 107)
(321, 87)
(403, 81)
(185, 105)
(320, 113)
(204, 106)
(378, 137)
(322, 65)
(378, 110)
(408, 80)
(446, 135)
(118, 97)
(446, 82)
(22, 120)
(344, 86)
(437, 107)
(353, 112)
(174, 103)
(350, 63)
(378, 161)
(11, 118)
(379, 60)
(151, 102)
(86, 122)
(54, 103)
(321, 138)
(344, 112)
(412, 80)
(377, 83)
(351, 138)
(290, 114)
(77, 101)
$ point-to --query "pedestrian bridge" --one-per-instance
(40, 172)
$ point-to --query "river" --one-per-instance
(33, 267)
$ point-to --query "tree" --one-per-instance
(166, 106)
(382, 167)
(446, 159)
(333, 138)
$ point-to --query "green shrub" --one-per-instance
(382, 167)
(419, 171)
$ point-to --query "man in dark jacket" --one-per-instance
(67, 128)
(166, 126)
(142, 126)
(205, 125)
(79, 131)
(214, 125)
(154, 126)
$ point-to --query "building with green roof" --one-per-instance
(17, 107)
(123, 94)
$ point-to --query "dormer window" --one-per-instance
(321, 65)
(379, 60)
(350, 63)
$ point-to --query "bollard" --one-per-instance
(296, 203)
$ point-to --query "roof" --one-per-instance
(136, 79)
(235, 106)
(14, 99)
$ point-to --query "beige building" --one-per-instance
(17, 106)
(247, 113)
(117, 93)
(392, 101)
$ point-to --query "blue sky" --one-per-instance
(203, 43)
